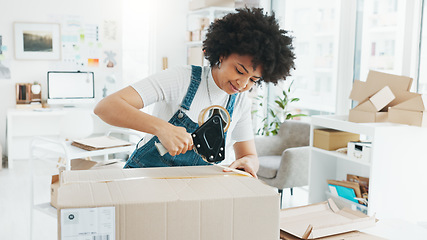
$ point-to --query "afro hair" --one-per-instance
(253, 33)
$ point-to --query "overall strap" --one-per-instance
(196, 73)
(230, 107)
(230, 104)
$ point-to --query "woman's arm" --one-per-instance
(246, 157)
(122, 109)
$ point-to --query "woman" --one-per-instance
(243, 48)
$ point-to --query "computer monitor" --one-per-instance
(70, 88)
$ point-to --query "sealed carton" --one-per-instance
(82, 164)
(331, 139)
(321, 220)
(76, 164)
(199, 202)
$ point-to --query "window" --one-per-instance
(422, 80)
(382, 27)
(315, 27)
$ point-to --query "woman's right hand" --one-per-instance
(175, 139)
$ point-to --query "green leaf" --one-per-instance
(281, 104)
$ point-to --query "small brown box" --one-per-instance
(331, 139)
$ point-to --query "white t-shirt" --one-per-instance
(167, 89)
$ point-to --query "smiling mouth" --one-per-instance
(234, 88)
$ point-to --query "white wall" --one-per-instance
(147, 31)
(44, 11)
(152, 30)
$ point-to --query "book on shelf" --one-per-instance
(99, 143)
(345, 189)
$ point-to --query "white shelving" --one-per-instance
(396, 169)
(193, 18)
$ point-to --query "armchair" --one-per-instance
(283, 158)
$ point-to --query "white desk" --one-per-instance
(23, 124)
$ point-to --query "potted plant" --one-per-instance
(277, 113)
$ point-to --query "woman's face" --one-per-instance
(236, 73)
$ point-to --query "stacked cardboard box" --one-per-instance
(411, 112)
(377, 95)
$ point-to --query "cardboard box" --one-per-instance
(375, 81)
(411, 112)
(76, 164)
(331, 139)
(321, 220)
(376, 95)
(369, 110)
(199, 202)
(359, 151)
(353, 235)
(198, 4)
(81, 164)
(360, 116)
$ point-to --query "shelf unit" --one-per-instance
(397, 164)
(193, 17)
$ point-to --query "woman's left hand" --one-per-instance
(246, 157)
(246, 164)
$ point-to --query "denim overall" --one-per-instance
(148, 155)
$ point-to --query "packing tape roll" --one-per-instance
(206, 113)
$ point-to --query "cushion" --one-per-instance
(268, 166)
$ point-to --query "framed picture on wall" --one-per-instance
(37, 41)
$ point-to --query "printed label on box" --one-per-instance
(88, 223)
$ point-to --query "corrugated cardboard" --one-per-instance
(417, 103)
(359, 116)
(353, 235)
(200, 202)
(322, 219)
(414, 118)
(198, 4)
(369, 110)
(411, 112)
(382, 98)
(375, 81)
(76, 164)
(331, 139)
(377, 94)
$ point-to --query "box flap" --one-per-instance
(116, 174)
(375, 82)
(353, 235)
(359, 116)
(319, 220)
(378, 80)
(358, 92)
(366, 106)
(401, 96)
(76, 164)
(82, 164)
(149, 181)
(417, 103)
